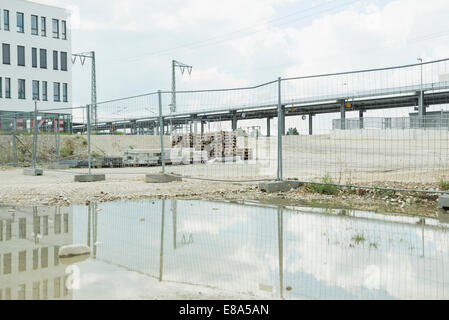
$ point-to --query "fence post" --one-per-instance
(161, 131)
(280, 133)
(88, 138)
(14, 144)
(34, 156)
(57, 140)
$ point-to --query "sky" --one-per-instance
(238, 43)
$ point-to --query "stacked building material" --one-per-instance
(245, 153)
(182, 140)
(219, 144)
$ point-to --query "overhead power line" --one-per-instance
(226, 37)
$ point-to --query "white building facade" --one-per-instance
(35, 57)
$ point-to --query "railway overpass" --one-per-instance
(432, 94)
(416, 85)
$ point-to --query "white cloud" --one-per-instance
(232, 43)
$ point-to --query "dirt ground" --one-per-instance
(59, 188)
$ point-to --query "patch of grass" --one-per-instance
(358, 238)
(68, 148)
(444, 185)
(326, 186)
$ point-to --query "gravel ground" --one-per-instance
(59, 188)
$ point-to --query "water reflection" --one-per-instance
(261, 251)
(29, 243)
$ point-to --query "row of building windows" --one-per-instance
(34, 23)
(40, 226)
(21, 290)
(36, 90)
(59, 58)
(22, 257)
(22, 260)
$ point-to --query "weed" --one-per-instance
(444, 185)
(358, 238)
(326, 186)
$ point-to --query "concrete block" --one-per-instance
(443, 217)
(279, 186)
(73, 250)
(90, 177)
(161, 178)
(443, 202)
(33, 172)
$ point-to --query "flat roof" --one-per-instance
(43, 5)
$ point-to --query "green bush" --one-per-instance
(444, 185)
(326, 186)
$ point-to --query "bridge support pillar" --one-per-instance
(234, 121)
(342, 115)
(202, 127)
(421, 109)
(311, 124)
(361, 125)
(268, 127)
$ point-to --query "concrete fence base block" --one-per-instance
(90, 177)
(443, 202)
(443, 217)
(161, 178)
(33, 172)
(279, 186)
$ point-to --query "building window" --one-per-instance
(57, 287)
(6, 53)
(43, 58)
(64, 61)
(8, 230)
(21, 88)
(55, 60)
(56, 255)
(57, 98)
(64, 98)
(7, 263)
(43, 26)
(8, 88)
(34, 25)
(45, 98)
(56, 28)
(35, 259)
(64, 30)
(22, 261)
(6, 20)
(44, 258)
(22, 228)
(45, 218)
(36, 95)
(21, 56)
(20, 24)
(1, 96)
(34, 57)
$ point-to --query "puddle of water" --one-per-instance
(190, 249)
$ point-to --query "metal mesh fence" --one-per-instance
(205, 140)
(378, 127)
(384, 127)
(274, 252)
